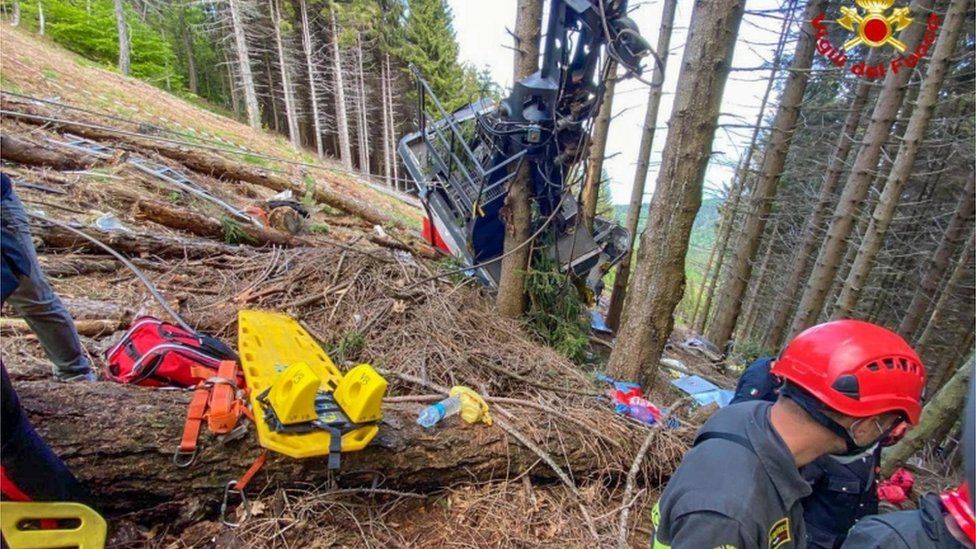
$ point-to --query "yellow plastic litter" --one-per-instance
(473, 407)
(293, 394)
(269, 343)
(88, 530)
(360, 394)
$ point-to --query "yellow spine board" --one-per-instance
(268, 344)
(88, 533)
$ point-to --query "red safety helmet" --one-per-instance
(957, 504)
(856, 368)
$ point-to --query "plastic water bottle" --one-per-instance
(432, 414)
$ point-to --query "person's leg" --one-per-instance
(40, 307)
(27, 461)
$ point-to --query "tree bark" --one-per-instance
(901, 169)
(290, 113)
(312, 78)
(643, 160)
(56, 238)
(244, 65)
(858, 181)
(742, 175)
(191, 66)
(182, 219)
(962, 218)
(940, 413)
(342, 119)
(31, 154)
(811, 229)
(127, 460)
(123, 32)
(387, 132)
(40, 17)
(754, 295)
(510, 300)
(598, 150)
(15, 13)
(929, 336)
(362, 120)
(659, 277)
(774, 159)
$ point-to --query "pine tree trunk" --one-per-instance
(232, 85)
(387, 153)
(812, 227)
(901, 169)
(929, 337)
(244, 65)
(598, 149)
(742, 175)
(270, 98)
(659, 276)
(393, 125)
(774, 159)
(754, 295)
(939, 263)
(942, 410)
(15, 13)
(191, 66)
(342, 119)
(858, 181)
(287, 91)
(510, 300)
(725, 227)
(643, 160)
(40, 17)
(312, 78)
(363, 120)
(123, 33)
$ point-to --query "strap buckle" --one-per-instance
(231, 489)
(183, 458)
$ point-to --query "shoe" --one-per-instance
(90, 375)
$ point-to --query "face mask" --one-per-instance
(846, 459)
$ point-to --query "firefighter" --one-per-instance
(845, 490)
(847, 385)
(943, 521)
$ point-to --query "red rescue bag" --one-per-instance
(154, 353)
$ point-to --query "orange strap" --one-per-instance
(219, 395)
(225, 407)
(194, 419)
(251, 471)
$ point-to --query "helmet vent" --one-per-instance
(847, 385)
(874, 367)
(889, 363)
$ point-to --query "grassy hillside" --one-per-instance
(35, 66)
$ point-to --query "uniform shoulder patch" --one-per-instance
(779, 534)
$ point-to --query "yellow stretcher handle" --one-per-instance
(88, 533)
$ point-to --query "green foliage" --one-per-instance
(350, 345)
(319, 228)
(92, 33)
(233, 234)
(556, 313)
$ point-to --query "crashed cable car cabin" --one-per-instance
(463, 162)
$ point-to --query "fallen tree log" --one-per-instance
(32, 154)
(87, 328)
(208, 227)
(132, 244)
(120, 441)
(203, 162)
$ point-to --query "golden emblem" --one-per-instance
(874, 28)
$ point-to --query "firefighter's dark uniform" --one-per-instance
(738, 487)
(842, 493)
(923, 528)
